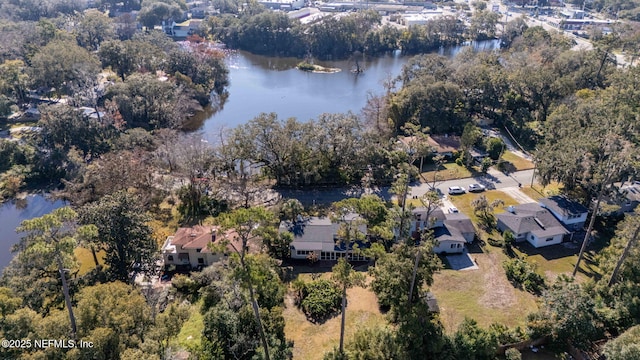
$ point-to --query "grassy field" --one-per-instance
(518, 162)
(484, 294)
(538, 192)
(85, 259)
(448, 171)
(311, 340)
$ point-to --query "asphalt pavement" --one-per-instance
(492, 180)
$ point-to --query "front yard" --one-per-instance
(518, 162)
(448, 171)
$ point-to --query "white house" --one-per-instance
(190, 247)
(571, 214)
(451, 231)
(533, 223)
(319, 236)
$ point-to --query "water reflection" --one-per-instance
(13, 213)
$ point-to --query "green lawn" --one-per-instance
(463, 202)
(518, 162)
(538, 192)
(448, 171)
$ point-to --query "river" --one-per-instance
(13, 213)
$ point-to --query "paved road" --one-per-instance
(493, 180)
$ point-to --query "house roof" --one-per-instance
(444, 143)
(443, 233)
(460, 222)
(631, 192)
(316, 233)
(199, 237)
(532, 218)
(564, 206)
(435, 215)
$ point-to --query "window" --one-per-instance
(200, 261)
(198, 250)
(170, 257)
(453, 246)
(549, 239)
(304, 252)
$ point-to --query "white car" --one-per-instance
(476, 188)
(456, 190)
(453, 210)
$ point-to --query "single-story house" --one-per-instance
(444, 145)
(571, 214)
(183, 29)
(190, 246)
(319, 236)
(533, 223)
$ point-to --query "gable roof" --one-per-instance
(563, 206)
(317, 233)
(435, 215)
(199, 237)
(460, 222)
(450, 233)
(532, 218)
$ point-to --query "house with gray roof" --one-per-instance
(533, 223)
(451, 231)
(571, 214)
(318, 236)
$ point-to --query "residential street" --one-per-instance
(493, 180)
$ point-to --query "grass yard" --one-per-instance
(85, 259)
(484, 294)
(448, 171)
(555, 260)
(463, 202)
(311, 340)
(538, 192)
(518, 162)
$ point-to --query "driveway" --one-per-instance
(518, 195)
(461, 261)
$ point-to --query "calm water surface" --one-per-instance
(265, 84)
(12, 214)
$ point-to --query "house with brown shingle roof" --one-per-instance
(191, 246)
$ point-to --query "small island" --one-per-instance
(305, 66)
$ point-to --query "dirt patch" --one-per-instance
(498, 292)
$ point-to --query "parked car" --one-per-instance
(453, 210)
(476, 188)
(456, 190)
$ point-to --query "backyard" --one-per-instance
(312, 340)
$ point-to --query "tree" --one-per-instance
(154, 12)
(495, 147)
(124, 233)
(247, 225)
(65, 66)
(567, 315)
(484, 210)
(624, 347)
(346, 277)
(93, 28)
(629, 229)
(51, 239)
(473, 342)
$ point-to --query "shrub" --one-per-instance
(320, 299)
(513, 354)
(495, 242)
(523, 274)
